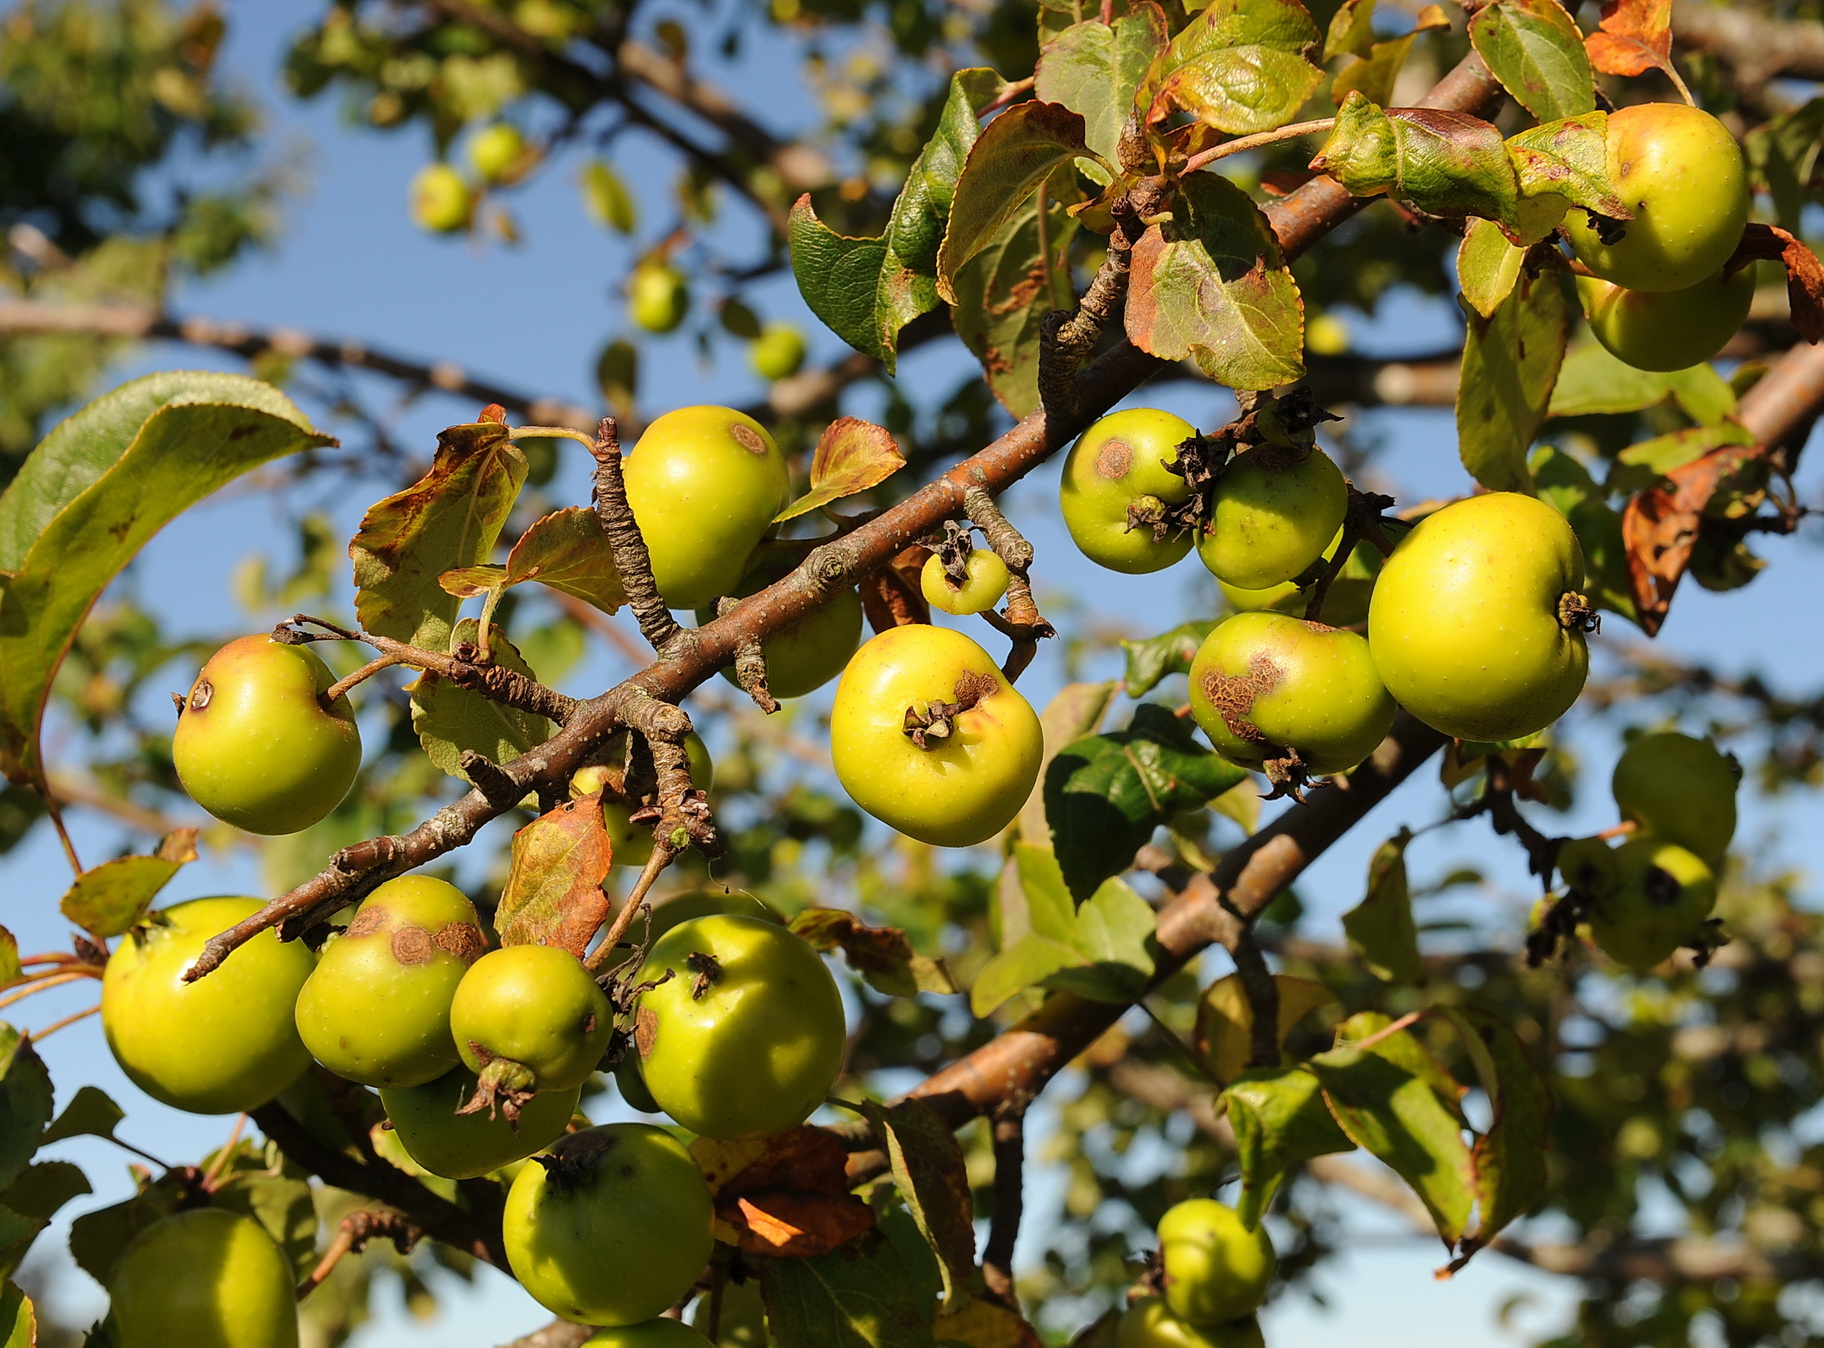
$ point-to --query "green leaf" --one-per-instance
(1399, 1118)
(1375, 75)
(1025, 963)
(857, 1296)
(928, 1169)
(1105, 794)
(1210, 284)
(17, 1234)
(882, 955)
(1240, 67)
(1536, 50)
(1568, 159)
(1645, 464)
(1593, 382)
(866, 290)
(1075, 711)
(1351, 30)
(1566, 485)
(1510, 1158)
(106, 900)
(607, 199)
(1380, 928)
(553, 893)
(90, 1113)
(1005, 290)
(852, 455)
(43, 1187)
(282, 1206)
(1404, 1050)
(1225, 1020)
(1018, 152)
(1510, 363)
(25, 1102)
(18, 1319)
(85, 501)
(1784, 154)
(449, 719)
(1488, 266)
(1280, 1121)
(449, 518)
(10, 967)
(1095, 69)
(1114, 940)
(1155, 659)
(1441, 163)
(566, 550)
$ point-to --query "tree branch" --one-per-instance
(1009, 1202)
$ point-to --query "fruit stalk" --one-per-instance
(1021, 620)
(627, 543)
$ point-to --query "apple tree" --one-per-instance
(712, 1002)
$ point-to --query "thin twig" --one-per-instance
(54, 1026)
(1009, 1202)
(1242, 144)
(223, 1154)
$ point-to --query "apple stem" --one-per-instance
(1020, 620)
(1242, 144)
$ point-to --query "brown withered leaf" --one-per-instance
(788, 1197)
(891, 595)
(1804, 273)
(882, 955)
(553, 894)
(851, 456)
(1634, 36)
(1659, 528)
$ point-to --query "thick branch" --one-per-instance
(625, 541)
(1757, 46)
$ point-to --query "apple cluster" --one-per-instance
(1212, 1274)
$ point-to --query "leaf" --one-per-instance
(866, 290)
(553, 894)
(1375, 75)
(982, 1324)
(882, 955)
(1437, 162)
(1018, 152)
(1351, 30)
(1210, 284)
(1784, 156)
(1568, 159)
(10, 967)
(1004, 292)
(1648, 463)
(1536, 50)
(106, 900)
(18, 1319)
(1105, 794)
(928, 1169)
(92, 493)
(1659, 527)
(1114, 936)
(90, 1113)
(1280, 1121)
(786, 1197)
(1095, 68)
(607, 199)
(1566, 485)
(1633, 37)
(1225, 1020)
(1804, 274)
(1380, 928)
(1510, 362)
(859, 1296)
(449, 719)
(97, 1237)
(566, 550)
(1398, 1117)
(282, 1206)
(1510, 1158)
(451, 517)
(1488, 266)
(1155, 659)
(25, 1102)
(1076, 710)
(43, 1187)
(1593, 382)
(852, 455)
(1240, 66)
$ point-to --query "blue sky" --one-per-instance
(351, 265)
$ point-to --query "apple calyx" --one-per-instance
(502, 1085)
(935, 720)
(1577, 614)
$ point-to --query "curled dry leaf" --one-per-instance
(1634, 36)
(891, 596)
(851, 456)
(788, 1197)
(1804, 273)
(1659, 528)
(553, 894)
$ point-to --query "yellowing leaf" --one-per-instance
(553, 894)
(1225, 1019)
(851, 456)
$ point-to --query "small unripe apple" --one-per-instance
(1114, 477)
(256, 746)
(206, 1278)
(1661, 896)
(495, 150)
(658, 297)
(778, 352)
(440, 199)
(1216, 1270)
(631, 842)
(1265, 683)
(1682, 175)
(970, 779)
(1680, 789)
(1149, 1323)
(986, 583)
(1275, 511)
(535, 1005)
(1667, 329)
(801, 658)
(704, 483)
(467, 1146)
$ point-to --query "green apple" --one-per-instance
(1275, 510)
(982, 590)
(778, 352)
(206, 1278)
(1680, 789)
(1667, 329)
(658, 297)
(1115, 470)
(1216, 1270)
(440, 199)
(496, 150)
(1661, 896)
